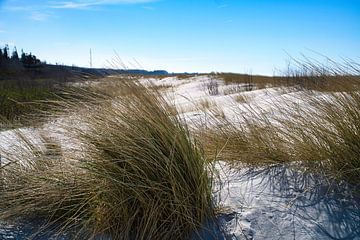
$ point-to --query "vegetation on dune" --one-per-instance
(15, 102)
(327, 137)
(322, 135)
(250, 143)
(304, 75)
(134, 170)
(25, 80)
(135, 174)
(247, 79)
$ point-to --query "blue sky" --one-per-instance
(251, 36)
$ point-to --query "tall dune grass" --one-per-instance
(253, 142)
(304, 74)
(327, 137)
(135, 173)
(322, 134)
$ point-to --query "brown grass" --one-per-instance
(135, 173)
(322, 135)
(241, 98)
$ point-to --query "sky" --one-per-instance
(245, 36)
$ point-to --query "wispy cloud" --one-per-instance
(36, 9)
(34, 12)
(148, 8)
(221, 3)
(223, 6)
(39, 16)
(84, 4)
(16, 8)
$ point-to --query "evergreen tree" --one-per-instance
(1, 57)
(23, 56)
(25, 59)
(15, 55)
(6, 52)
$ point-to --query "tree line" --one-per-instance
(13, 59)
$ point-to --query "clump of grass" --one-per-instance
(249, 82)
(234, 89)
(161, 87)
(241, 98)
(311, 74)
(218, 112)
(14, 101)
(305, 74)
(205, 104)
(135, 174)
(327, 136)
(322, 135)
(212, 87)
(149, 164)
(21, 101)
(248, 143)
(37, 181)
(41, 182)
(185, 76)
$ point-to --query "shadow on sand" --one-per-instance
(277, 202)
(281, 202)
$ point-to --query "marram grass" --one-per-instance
(135, 174)
(321, 135)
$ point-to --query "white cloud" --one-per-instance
(39, 16)
(14, 8)
(223, 6)
(148, 8)
(18, 6)
(84, 4)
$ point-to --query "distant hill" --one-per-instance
(106, 71)
(65, 73)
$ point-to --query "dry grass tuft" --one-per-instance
(322, 135)
(250, 143)
(241, 98)
(205, 104)
(327, 137)
(136, 174)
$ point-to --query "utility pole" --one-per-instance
(90, 59)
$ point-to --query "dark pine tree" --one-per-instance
(6, 52)
(23, 56)
(15, 55)
(2, 59)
